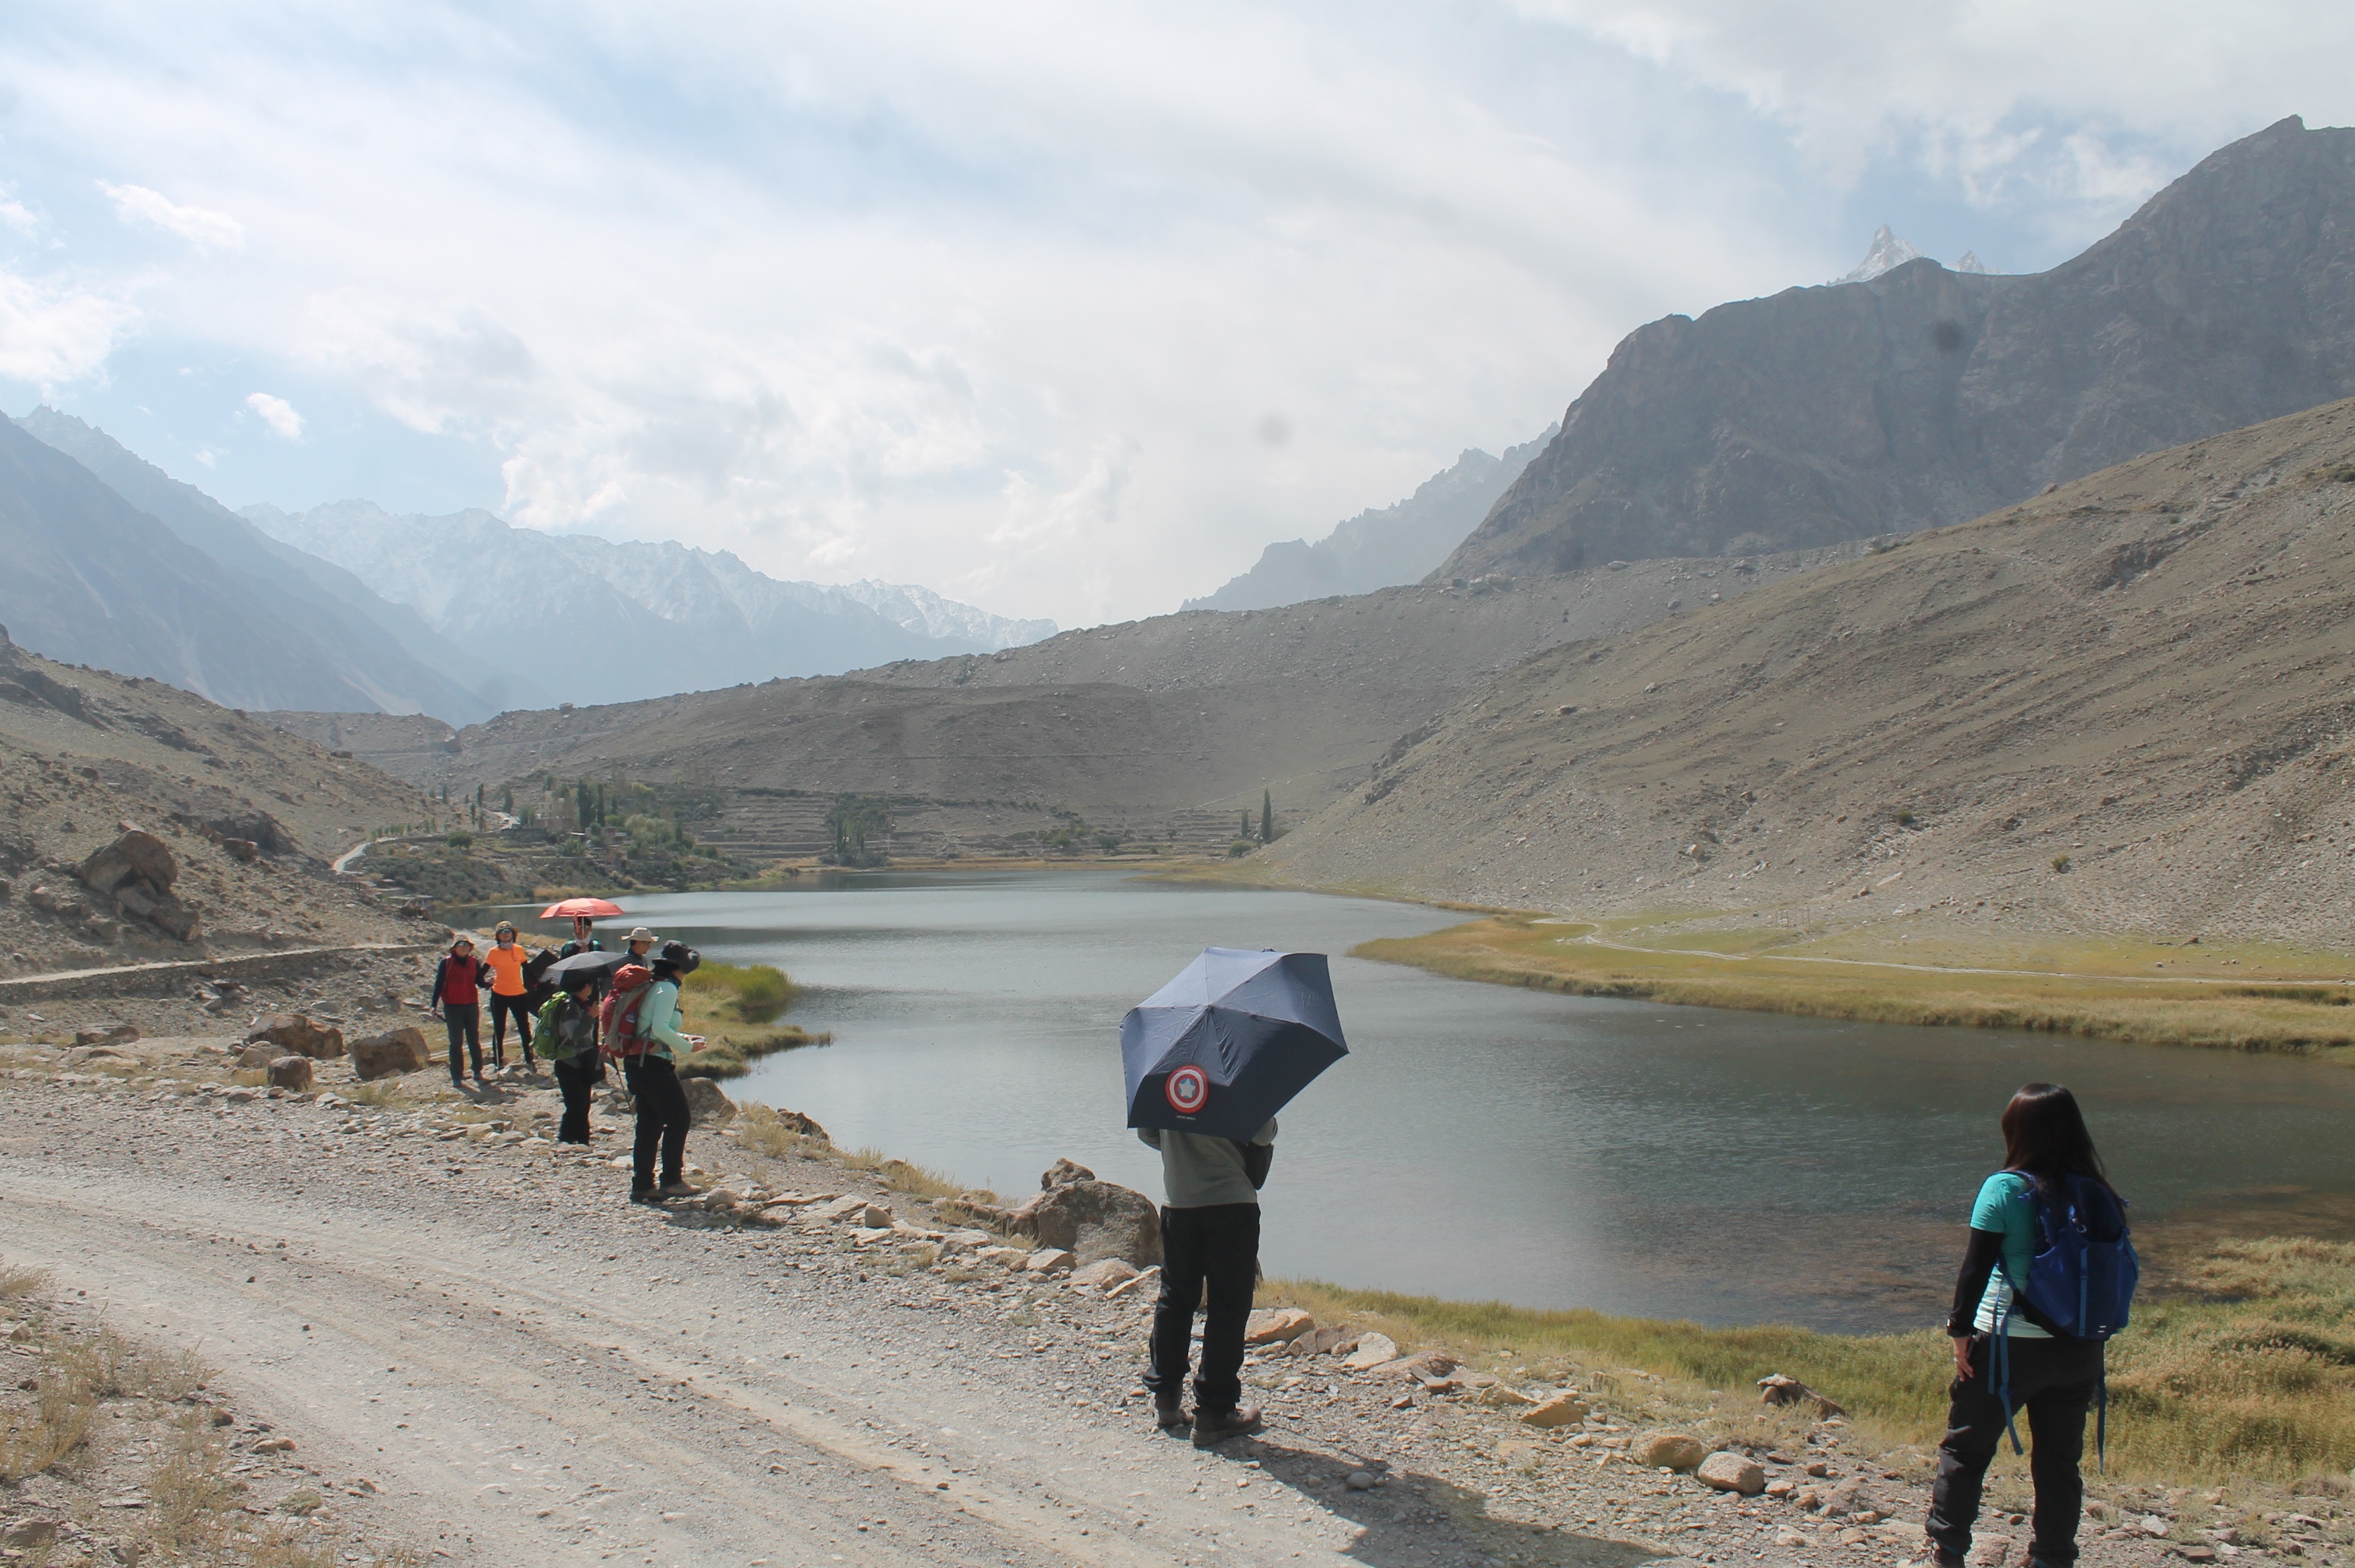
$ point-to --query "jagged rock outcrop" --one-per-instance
(1923, 396)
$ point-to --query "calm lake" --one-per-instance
(1482, 1141)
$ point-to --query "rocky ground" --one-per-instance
(814, 1364)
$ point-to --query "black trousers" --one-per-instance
(575, 1077)
(663, 1120)
(2053, 1380)
(1218, 1246)
(464, 1022)
(502, 1009)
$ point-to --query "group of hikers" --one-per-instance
(627, 1013)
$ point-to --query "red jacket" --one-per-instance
(458, 982)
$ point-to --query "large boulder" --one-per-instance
(137, 853)
(1092, 1219)
(137, 872)
(291, 1072)
(707, 1101)
(302, 1035)
(391, 1054)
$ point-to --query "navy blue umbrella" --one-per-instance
(1226, 1044)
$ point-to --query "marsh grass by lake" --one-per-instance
(2240, 998)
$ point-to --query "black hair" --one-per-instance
(2044, 1134)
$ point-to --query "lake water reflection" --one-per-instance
(1482, 1141)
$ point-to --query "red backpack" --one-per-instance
(617, 1017)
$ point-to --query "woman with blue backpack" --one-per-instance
(2048, 1277)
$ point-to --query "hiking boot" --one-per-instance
(678, 1189)
(645, 1195)
(1168, 1418)
(1211, 1430)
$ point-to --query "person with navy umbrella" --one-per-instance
(1209, 1058)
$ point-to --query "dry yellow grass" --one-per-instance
(2086, 988)
(2246, 1369)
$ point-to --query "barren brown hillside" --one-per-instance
(2146, 672)
(251, 816)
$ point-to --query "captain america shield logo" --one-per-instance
(1188, 1088)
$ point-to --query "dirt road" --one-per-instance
(531, 1371)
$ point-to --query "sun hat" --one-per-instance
(504, 928)
(640, 933)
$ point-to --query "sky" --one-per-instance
(1059, 309)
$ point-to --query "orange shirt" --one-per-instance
(507, 969)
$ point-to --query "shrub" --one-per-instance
(1239, 848)
(2061, 862)
(462, 839)
(1902, 817)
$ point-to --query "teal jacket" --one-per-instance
(658, 1021)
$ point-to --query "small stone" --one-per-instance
(1104, 1274)
(296, 1033)
(876, 1217)
(1496, 1396)
(1318, 1341)
(262, 1054)
(1146, 1284)
(1361, 1481)
(958, 1241)
(1276, 1325)
(1730, 1472)
(1372, 1350)
(1563, 1409)
(1783, 1488)
(1791, 1538)
(390, 1054)
(840, 1209)
(2197, 1553)
(30, 1533)
(291, 1072)
(1049, 1260)
(1667, 1450)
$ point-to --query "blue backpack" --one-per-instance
(2081, 1280)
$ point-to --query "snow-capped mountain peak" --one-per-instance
(1885, 253)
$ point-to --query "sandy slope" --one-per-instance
(2144, 672)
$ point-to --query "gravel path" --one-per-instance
(527, 1369)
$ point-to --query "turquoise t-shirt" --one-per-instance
(2005, 1204)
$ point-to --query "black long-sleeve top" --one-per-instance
(1979, 1261)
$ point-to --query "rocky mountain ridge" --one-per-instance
(1382, 548)
(381, 650)
(2117, 706)
(1922, 396)
(588, 620)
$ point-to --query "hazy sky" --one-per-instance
(1059, 309)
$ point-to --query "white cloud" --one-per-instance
(2070, 101)
(1002, 300)
(199, 226)
(55, 334)
(277, 414)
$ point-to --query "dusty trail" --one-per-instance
(551, 1378)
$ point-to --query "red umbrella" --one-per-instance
(582, 909)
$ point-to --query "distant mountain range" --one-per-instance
(1380, 549)
(593, 621)
(349, 609)
(1922, 396)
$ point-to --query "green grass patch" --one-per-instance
(749, 993)
(2141, 993)
(2243, 1368)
